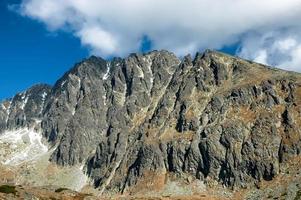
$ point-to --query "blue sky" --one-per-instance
(42, 39)
(29, 54)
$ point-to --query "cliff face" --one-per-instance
(137, 120)
(24, 109)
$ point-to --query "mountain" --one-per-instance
(145, 122)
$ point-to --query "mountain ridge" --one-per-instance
(150, 117)
(94, 57)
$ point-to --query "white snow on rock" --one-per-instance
(107, 74)
(8, 112)
(21, 145)
(140, 72)
(104, 98)
(63, 83)
(73, 110)
(43, 101)
(149, 66)
(25, 99)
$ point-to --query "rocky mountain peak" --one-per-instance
(213, 118)
(24, 108)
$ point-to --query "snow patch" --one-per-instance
(18, 146)
(104, 98)
(8, 112)
(149, 64)
(38, 121)
(79, 82)
(107, 74)
(24, 101)
(44, 96)
(23, 95)
(63, 83)
(140, 72)
(43, 101)
(78, 89)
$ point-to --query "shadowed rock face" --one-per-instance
(213, 117)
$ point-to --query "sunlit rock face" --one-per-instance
(135, 121)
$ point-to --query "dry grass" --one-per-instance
(190, 114)
(150, 181)
(242, 113)
(298, 94)
(6, 175)
(171, 134)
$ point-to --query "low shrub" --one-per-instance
(60, 190)
(8, 189)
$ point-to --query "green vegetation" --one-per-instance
(60, 190)
(8, 189)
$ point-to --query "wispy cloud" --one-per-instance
(268, 31)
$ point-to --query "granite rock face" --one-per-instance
(24, 109)
(213, 117)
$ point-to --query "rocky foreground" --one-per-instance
(154, 126)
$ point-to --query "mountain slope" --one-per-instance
(148, 119)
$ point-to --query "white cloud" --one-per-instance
(261, 57)
(101, 41)
(281, 48)
(116, 27)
